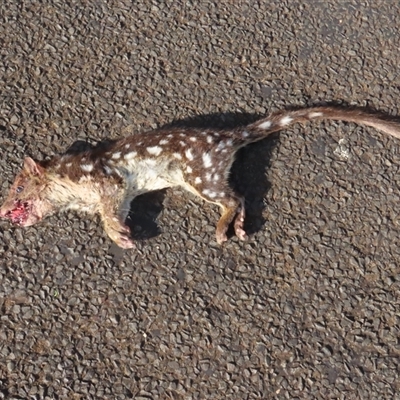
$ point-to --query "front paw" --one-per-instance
(121, 237)
(125, 242)
(124, 239)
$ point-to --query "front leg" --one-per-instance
(113, 217)
(117, 230)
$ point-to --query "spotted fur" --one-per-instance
(104, 180)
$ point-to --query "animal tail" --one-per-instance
(277, 121)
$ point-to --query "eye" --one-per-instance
(19, 189)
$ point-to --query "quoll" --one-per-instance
(107, 178)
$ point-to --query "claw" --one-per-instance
(240, 233)
(125, 242)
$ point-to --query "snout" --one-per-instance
(3, 212)
(6, 209)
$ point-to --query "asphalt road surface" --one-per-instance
(308, 307)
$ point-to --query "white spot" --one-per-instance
(209, 193)
(207, 160)
(204, 133)
(222, 194)
(130, 156)
(229, 142)
(189, 169)
(215, 177)
(115, 156)
(245, 134)
(177, 155)
(208, 177)
(68, 164)
(286, 120)
(192, 138)
(221, 145)
(127, 146)
(224, 150)
(163, 141)
(197, 180)
(118, 172)
(170, 135)
(87, 167)
(107, 170)
(188, 154)
(182, 135)
(57, 166)
(209, 139)
(315, 114)
(265, 125)
(155, 150)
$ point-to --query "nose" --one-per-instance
(3, 212)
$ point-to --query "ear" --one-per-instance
(32, 167)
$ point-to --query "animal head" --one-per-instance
(25, 204)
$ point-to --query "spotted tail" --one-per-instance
(283, 119)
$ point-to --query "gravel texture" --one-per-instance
(308, 306)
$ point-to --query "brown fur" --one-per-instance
(106, 179)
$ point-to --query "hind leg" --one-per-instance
(239, 221)
(214, 188)
(232, 206)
